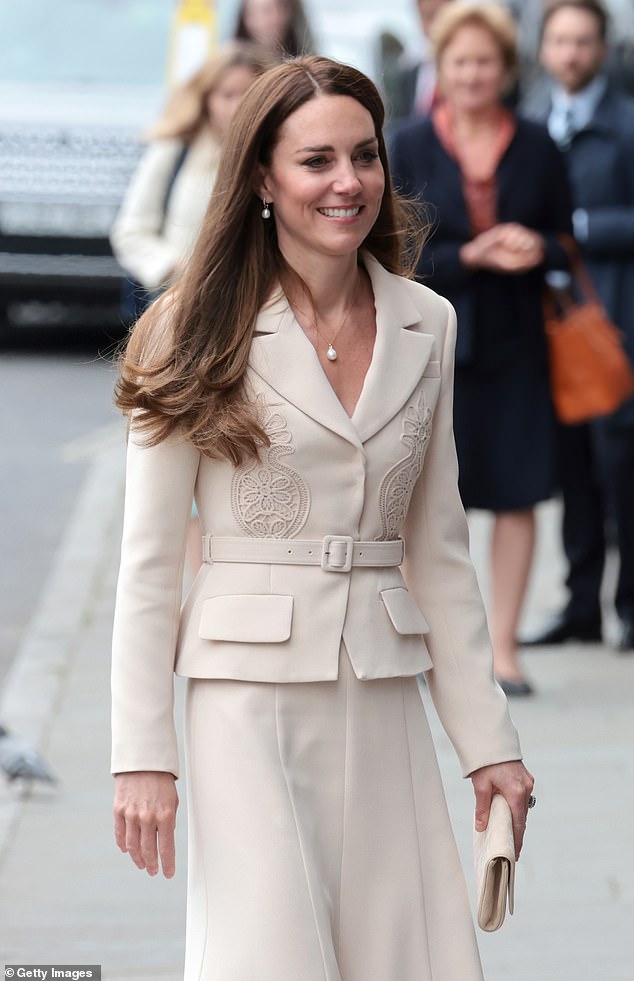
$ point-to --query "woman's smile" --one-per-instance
(350, 212)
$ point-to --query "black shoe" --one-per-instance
(625, 639)
(514, 688)
(563, 628)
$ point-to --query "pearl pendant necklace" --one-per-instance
(331, 351)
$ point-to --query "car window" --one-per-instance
(85, 41)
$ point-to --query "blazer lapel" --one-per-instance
(284, 358)
(400, 353)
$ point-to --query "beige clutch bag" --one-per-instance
(494, 853)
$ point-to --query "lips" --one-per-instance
(339, 212)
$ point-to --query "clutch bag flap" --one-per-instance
(494, 855)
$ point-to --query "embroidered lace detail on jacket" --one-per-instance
(268, 498)
(398, 484)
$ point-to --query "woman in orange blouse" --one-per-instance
(498, 190)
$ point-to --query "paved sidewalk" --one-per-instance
(67, 896)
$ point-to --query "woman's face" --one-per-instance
(471, 70)
(225, 98)
(266, 21)
(325, 180)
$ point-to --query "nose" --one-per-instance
(346, 180)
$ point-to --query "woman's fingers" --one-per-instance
(484, 796)
(144, 819)
(513, 781)
(133, 842)
(120, 829)
(147, 844)
(166, 848)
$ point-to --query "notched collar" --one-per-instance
(285, 359)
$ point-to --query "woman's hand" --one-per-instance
(513, 781)
(145, 804)
(508, 248)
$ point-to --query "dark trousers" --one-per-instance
(597, 480)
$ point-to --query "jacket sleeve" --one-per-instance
(609, 231)
(159, 489)
(440, 575)
(136, 237)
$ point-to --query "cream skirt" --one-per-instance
(320, 847)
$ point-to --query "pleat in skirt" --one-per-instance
(320, 845)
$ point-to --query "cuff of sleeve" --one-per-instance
(580, 224)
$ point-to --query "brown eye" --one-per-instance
(368, 156)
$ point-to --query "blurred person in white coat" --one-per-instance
(164, 206)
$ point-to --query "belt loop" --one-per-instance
(206, 549)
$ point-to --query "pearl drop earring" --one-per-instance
(266, 211)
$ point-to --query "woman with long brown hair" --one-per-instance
(299, 387)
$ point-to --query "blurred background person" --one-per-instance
(528, 17)
(498, 190)
(164, 206)
(409, 74)
(593, 122)
(166, 201)
(620, 56)
(618, 64)
(281, 26)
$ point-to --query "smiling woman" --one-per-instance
(319, 840)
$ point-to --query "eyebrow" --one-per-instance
(324, 149)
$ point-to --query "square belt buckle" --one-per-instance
(336, 553)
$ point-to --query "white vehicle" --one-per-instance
(78, 82)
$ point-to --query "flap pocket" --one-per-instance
(247, 618)
(403, 612)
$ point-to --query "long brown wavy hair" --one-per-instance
(186, 359)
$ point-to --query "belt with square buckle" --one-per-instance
(333, 553)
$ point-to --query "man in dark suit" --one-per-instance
(593, 123)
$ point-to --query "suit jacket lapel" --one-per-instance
(400, 353)
(284, 358)
(282, 355)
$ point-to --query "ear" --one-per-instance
(261, 184)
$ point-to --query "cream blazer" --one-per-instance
(148, 238)
(388, 471)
